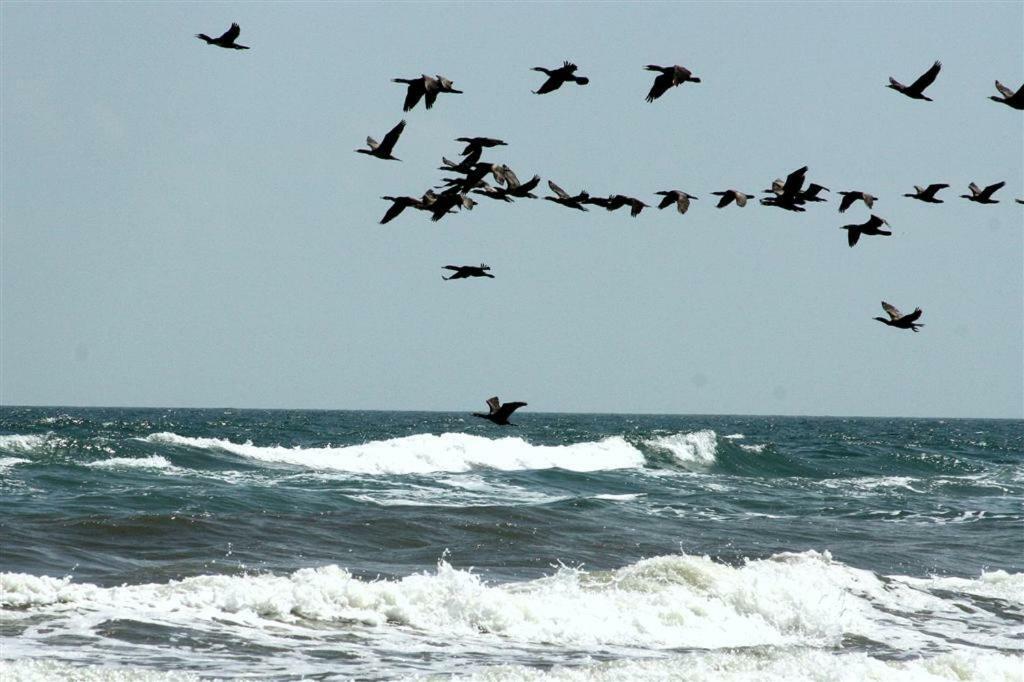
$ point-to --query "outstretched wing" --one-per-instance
(847, 202)
(388, 143)
(741, 199)
(661, 85)
(393, 212)
(413, 94)
(931, 190)
(991, 189)
(874, 222)
(794, 181)
(493, 405)
(1006, 92)
(506, 410)
(231, 34)
(926, 79)
(893, 311)
(912, 316)
(558, 190)
(852, 235)
(725, 200)
(550, 85)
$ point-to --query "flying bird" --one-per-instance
(731, 195)
(556, 77)
(398, 205)
(516, 190)
(671, 76)
(562, 197)
(617, 201)
(982, 196)
(678, 197)
(425, 86)
(812, 191)
(499, 413)
(898, 319)
(1010, 98)
(227, 40)
(788, 194)
(852, 196)
(916, 89)
(383, 149)
(465, 271)
(446, 202)
(872, 227)
(927, 194)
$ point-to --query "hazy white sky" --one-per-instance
(188, 226)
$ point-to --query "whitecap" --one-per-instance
(689, 449)
(151, 462)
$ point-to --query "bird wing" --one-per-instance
(931, 190)
(847, 202)
(388, 143)
(661, 85)
(912, 316)
(529, 184)
(230, 34)
(371, 143)
(741, 199)
(926, 79)
(667, 200)
(431, 96)
(452, 267)
(1006, 92)
(852, 234)
(413, 94)
(893, 311)
(794, 181)
(868, 200)
(975, 190)
(562, 194)
(991, 189)
(393, 212)
(506, 410)
(493, 404)
(550, 85)
(725, 200)
(874, 221)
(683, 204)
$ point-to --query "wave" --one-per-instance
(429, 453)
(8, 462)
(34, 670)
(689, 449)
(151, 462)
(22, 443)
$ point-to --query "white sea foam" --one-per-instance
(428, 453)
(625, 497)
(22, 443)
(734, 436)
(689, 449)
(151, 462)
(995, 584)
(757, 449)
(29, 670)
(8, 462)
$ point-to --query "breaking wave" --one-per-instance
(689, 449)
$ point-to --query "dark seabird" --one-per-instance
(515, 190)
(227, 40)
(812, 191)
(398, 205)
(447, 202)
(731, 195)
(563, 198)
(872, 227)
(982, 196)
(916, 89)
(671, 76)
(898, 319)
(425, 86)
(850, 197)
(927, 194)
(1019, 201)
(1009, 98)
(788, 193)
(499, 413)
(556, 77)
(464, 271)
(678, 197)
(617, 201)
(383, 150)
(474, 145)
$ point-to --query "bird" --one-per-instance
(474, 145)
(617, 201)
(562, 197)
(398, 205)
(982, 196)
(898, 319)
(916, 89)
(1009, 98)
(678, 197)
(927, 194)
(384, 148)
(227, 40)
(556, 77)
(788, 193)
(507, 193)
(446, 202)
(731, 195)
(1019, 201)
(465, 271)
(852, 196)
(499, 413)
(427, 87)
(812, 191)
(671, 76)
(870, 227)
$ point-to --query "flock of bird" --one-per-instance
(468, 177)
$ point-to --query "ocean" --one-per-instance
(174, 544)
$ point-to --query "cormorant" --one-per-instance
(916, 89)
(383, 150)
(731, 195)
(499, 413)
(678, 197)
(898, 319)
(474, 145)
(398, 205)
(464, 271)
(927, 194)
(850, 197)
(425, 86)
(671, 76)
(812, 191)
(447, 201)
(227, 40)
(516, 190)
(558, 76)
(563, 198)
(1009, 98)
(870, 227)
(617, 201)
(787, 194)
(983, 196)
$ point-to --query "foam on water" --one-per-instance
(21, 443)
(8, 462)
(151, 462)
(429, 453)
(689, 449)
(29, 670)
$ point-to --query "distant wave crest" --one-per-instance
(698, 448)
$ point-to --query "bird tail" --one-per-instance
(694, 79)
(203, 36)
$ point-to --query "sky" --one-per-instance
(187, 226)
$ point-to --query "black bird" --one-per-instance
(617, 201)
(558, 76)
(852, 196)
(898, 319)
(499, 413)
(788, 193)
(671, 76)
(870, 227)
(812, 191)
(982, 196)
(398, 205)
(474, 145)
(227, 40)
(916, 89)
(464, 271)
(731, 195)
(1019, 201)
(516, 190)
(678, 197)
(563, 198)
(425, 86)
(383, 150)
(446, 202)
(927, 194)
(1009, 98)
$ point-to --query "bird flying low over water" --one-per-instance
(898, 319)
(227, 40)
(731, 195)
(562, 197)
(916, 89)
(670, 77)
(427, 87)
(1009, 98)
(872, 227)
(678, 197)
(982, 196)
(384, 148)
(499, 413)
(464, 271)
(927, 194)
(850, 197)
(556, 77)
